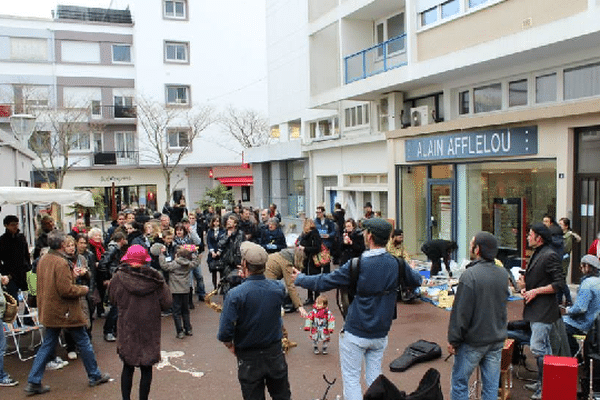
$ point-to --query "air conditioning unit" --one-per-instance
(421, 116)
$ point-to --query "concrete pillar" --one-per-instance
(261, 189)
(279, 184)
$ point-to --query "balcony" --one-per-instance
(116, 158)
(113, 112)
(375, 60)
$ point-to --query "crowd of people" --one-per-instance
(152, 263)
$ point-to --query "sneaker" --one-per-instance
(55, 364)
(36, 388)
(316, 350)
(180, 335)
(8, 381)
(103, 379)
(537, 395)
(533, 387)
(72, 355)
(189, 333)
(324, 350)
(109, 337)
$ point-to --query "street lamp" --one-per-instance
(22, 126)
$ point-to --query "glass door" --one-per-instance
(441, 202)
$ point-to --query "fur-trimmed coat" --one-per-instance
(140, 294)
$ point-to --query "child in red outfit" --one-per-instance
(320, 322)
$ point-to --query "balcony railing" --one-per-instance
(113, 112)
(376, 59)
(116, 158)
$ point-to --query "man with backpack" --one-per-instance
(364, 336)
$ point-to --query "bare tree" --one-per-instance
(169, 132)
(248, 127)
(58, 132)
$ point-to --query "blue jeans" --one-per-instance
(3, 375)
(46, 352)
(197, 275)
(540, 339)
(466, 359)
(353, 350)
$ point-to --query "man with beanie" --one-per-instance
(543, 277)
(477, 327)
(251, 328)
(364, 336)
(580, 317)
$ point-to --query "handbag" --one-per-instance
(322, 258)
(10, 313)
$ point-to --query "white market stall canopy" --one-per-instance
(24, 195)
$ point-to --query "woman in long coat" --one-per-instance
(140, 294)
(310, 242)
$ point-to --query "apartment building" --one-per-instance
(449, 116)
(88, 68)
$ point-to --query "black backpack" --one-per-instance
(345, 295)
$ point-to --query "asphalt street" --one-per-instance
(200, 367)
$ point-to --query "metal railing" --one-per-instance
(113, 112)
(119, 157)
(376, 59)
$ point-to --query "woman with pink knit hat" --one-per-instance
(140, 293)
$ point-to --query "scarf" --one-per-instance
(98, 247)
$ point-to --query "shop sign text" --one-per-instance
(492, 143)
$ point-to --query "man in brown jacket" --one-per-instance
(59, 308)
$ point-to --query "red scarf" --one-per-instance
(98, 247)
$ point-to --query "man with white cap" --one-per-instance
(580, 317)
(251, 328)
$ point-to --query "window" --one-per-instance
(582, 81)
(80, 52)
(179, 138)
(450, 8)
(429, 16)
(463, 102)
(325, 128)
(96, 108)
(97, 142)
(80, 141)
(178, 95)
(40, 142)
(175, 9)
(390, 29)
(28, 49)
(177, 52)
(545, 88)
(124, 107)
(517, 93)
(475, 3)
(356, 116)
(245, 193)
(125, 144)
(487, 98)
(121, 53)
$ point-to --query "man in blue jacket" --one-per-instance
(364, 336)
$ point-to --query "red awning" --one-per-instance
(237, 180)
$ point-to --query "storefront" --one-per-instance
(452, 185)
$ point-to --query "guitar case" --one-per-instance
(418, 352)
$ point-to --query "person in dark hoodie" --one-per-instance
(140, 293)
(477, 327)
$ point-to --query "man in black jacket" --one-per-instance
(543, 277)
(477, 327)
(14, 256)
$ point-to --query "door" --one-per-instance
(441, 204)
(510, 228)
(586, 218)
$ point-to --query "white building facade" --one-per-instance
(450, 117)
